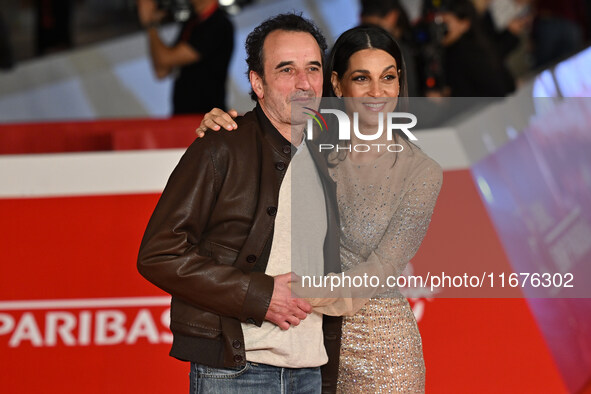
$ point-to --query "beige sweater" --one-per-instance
(297, 247)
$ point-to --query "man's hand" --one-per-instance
(148, 12)
(284, 310)
(216, 118)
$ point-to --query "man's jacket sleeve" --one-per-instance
(169, 255)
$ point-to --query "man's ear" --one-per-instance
(336, 86)
(256, 82)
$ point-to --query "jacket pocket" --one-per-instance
(220, 253)
(203, 371)
(189, 320)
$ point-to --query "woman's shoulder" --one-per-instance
(420, 163)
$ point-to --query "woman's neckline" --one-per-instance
(372, 162)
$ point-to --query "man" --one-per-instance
(219, 243)
(6, 57)
(471, 65)
(202, 53)
(53, 26)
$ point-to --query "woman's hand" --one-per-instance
(215, 119)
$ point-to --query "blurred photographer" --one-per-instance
(472, 65)
(504, 22)
(201, 53)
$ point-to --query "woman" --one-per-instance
(385, 201)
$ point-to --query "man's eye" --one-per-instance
(286, 70)
(314, 68)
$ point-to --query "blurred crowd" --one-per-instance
(462, 48)
(479, 48)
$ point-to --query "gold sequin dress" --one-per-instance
(385, 209)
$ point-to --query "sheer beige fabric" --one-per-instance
(385, 209)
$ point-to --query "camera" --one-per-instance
(179, 10)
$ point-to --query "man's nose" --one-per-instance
(302, 80)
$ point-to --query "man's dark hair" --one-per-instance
(287, 22)
(378, 7)
(462, 9)
(381, 8)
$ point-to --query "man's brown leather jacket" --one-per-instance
(209, 239)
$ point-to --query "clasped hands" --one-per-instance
(285, 310)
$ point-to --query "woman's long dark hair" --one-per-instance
(352, 41)
(357, 39)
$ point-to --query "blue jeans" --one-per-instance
(254, 379)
